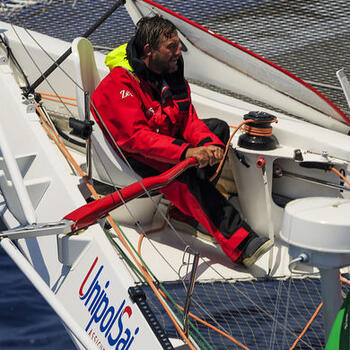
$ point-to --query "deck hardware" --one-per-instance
(38, 230)
(241, 158)
(88, 140)
(315, 181)
(29, 103)
(317, 165)
(258, 132)
(342, 182)
(3, 59)
(139, 297)
(325, 154)
(298, 155)
(190, 291)
(277, 171)
(260, 162)
(81, 128)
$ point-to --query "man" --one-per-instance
(145, 103)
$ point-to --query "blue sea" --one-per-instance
(26, 320)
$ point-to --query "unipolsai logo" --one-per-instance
(110, 320)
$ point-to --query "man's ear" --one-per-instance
(147, 50)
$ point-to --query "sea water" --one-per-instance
(26, 320)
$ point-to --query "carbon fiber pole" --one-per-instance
(33, 86)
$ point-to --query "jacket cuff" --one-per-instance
(209, 141)
(204, 141)
(183, 154)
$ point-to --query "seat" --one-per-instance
(107, 166)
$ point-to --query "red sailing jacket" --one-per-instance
(152, 132)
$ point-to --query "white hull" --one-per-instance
(40, 186)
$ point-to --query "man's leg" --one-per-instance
(200, 199)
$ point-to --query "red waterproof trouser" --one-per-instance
(196, 196)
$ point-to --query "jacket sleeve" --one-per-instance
(119, 105)
(196, 131)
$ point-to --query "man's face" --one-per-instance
(164, 59)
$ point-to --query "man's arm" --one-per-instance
(120, 106)
(196, 132)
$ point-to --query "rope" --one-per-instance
(211, 267)
(56, 96)
(88, 185)
(340, 175)
(54, 100)
(251, 130)
(177, 305)
(307, 326)
(65, 151)
(233, 134)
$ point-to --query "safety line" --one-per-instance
(56, 96)
(307, 326)
(180, 307)
(59, 101)
(115, 227)
(264, 311)
(340, 175)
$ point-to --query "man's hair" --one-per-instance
(149, 30)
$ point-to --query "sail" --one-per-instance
(215, 60)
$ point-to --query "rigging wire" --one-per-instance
(224, 333)
(160, 228)
(13, 57)
(36, 65)
(210, 266)
(115, 144)
(274, 325)
(149, 280)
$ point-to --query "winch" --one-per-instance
(258, 132)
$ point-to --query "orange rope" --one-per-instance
(344, 281)
(144, 269)
(251, 130)
(181, 308)
(61, 146)
(210, 325)
(54, 100)
(307, 326)
(314, 315)
(146, 233)
(229, 141)
(227, 147)
(341, 175)
(56, 96)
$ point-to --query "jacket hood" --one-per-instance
(117, 58)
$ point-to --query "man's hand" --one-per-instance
(205, 155)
